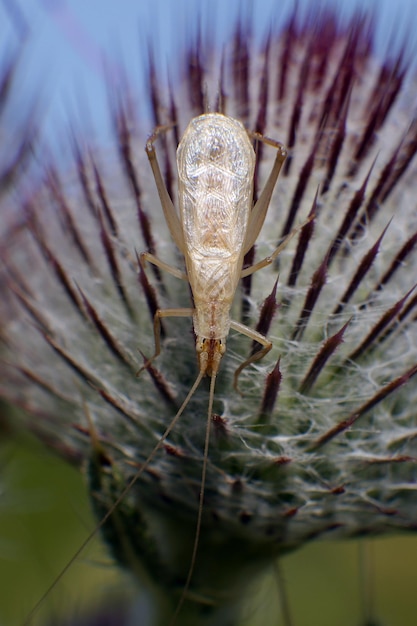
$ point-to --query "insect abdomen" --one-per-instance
(215, 166)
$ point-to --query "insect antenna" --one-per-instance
(201, 499)
(126, 490)
(283, 596)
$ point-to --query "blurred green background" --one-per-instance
(44, 517)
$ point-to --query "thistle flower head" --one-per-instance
(322, 441)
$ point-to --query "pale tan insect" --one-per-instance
(216, 227)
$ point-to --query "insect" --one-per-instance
(216, 227)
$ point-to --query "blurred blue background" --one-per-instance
(74, 46)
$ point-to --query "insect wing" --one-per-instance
(216, 164)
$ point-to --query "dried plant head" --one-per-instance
(322, 443)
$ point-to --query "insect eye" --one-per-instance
(199, 346)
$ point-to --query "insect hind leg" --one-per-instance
(147, 257)
(259, 211)
(168, 208)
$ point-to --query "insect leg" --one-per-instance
(160, 313)
(170, 213)
(258, 213)
(252, 334)
(270, 259)
(150, 258)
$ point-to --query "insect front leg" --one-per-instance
(252, 334)
(160, 313)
